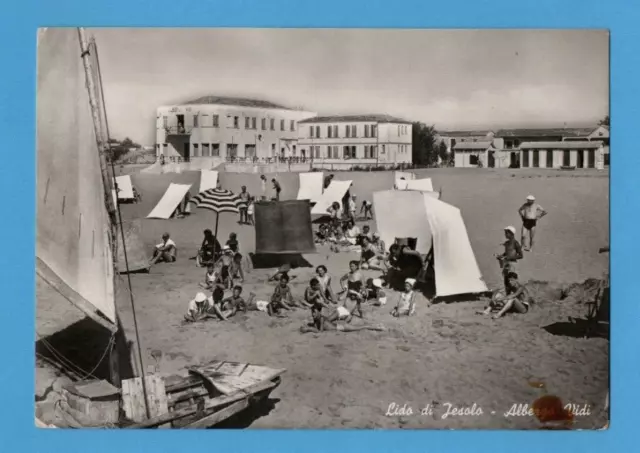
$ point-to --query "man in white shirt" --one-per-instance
(165, 251)
(263, 184)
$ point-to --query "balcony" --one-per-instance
(177, 130)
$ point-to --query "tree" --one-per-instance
(443, 154)
(604, 122)
(424, 149)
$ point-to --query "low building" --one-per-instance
(568, 153)
(227, 128)
(482, 154)
(356, 139)
(451, 138)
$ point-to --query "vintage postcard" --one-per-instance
(322, 228)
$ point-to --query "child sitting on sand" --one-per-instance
(235, 302)
(406, 301)
(517, 299)
(236, 271)
(203, 307)
(282, 270)
(282, 299)
(210, 277)
(374, 291)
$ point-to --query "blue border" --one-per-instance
(18, 23)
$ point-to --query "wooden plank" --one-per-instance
(231, 368)
(217, 417)
(133, 398)
(208, 405)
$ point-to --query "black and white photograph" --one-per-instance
(264, 228)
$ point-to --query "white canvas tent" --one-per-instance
(310, 186)
(335, 192)
(125, 187)
(208, 179)
(421, 185)
(419, 215)
(401, 184)
(169, 201)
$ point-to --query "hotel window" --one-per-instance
(366, 131)
(317, 131)
(196, 150)
(374, 130)
(247, 123)
(370, 152)
(165, 121)
(195, 121)
(354, 131)
(272, 124)
(215, 120)
(253, 123)
(292, 125)
(264, 124)
(315, 152)
(281, 125)
(335, 131)
(399, 130)
(250, 151)
(329, 131)
(311, 131)
(215, 150)
(236, 122)
(206, 150)
(348, 131)
(273, 150)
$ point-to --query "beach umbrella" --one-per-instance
(217, 200)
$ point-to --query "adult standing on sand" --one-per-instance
(530, 212)
(512, 253)
(277, 189)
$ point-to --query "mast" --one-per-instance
(113, 206)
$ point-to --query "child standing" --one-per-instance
(314, 296)
(353, 208)
(233, 243)
(236, 271)
(325, 282)
(250, 210)
(512, 253)
(367, 208)
(353, 281)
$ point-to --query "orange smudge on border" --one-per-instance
(549, 408)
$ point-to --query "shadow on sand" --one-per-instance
(85, 344)
(578, 328)
(272, 261)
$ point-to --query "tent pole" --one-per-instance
(216, 234)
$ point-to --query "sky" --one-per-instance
(453, 79)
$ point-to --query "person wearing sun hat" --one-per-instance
(197, 307)
(530, 212)
(512, 253)
(406, 302)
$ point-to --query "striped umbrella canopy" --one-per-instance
(218, 200)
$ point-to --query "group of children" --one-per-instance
(515, 297)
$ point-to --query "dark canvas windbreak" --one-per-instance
(137, 258)
(284, 227)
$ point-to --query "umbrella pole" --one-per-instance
(216, 234)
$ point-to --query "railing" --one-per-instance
(177, 130)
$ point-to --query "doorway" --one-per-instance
(186, 151)
(491, 159)
(592, 158)
(580, 163)
(180, 119)
(566, 158)
(525, 158)
(514, 161)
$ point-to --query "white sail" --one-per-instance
(73, 248)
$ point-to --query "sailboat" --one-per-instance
(78, 223)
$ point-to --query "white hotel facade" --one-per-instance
(249, 130)
(366, 139)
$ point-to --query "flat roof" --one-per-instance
(472, 145)
(374, 118)
(561, 145)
